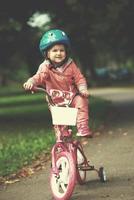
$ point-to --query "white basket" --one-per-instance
(63, 115)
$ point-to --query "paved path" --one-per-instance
(114, 149)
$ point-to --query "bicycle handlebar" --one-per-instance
(40, 89)
(50, 100)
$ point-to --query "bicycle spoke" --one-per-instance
(64, 188)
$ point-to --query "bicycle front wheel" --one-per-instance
(62, 185)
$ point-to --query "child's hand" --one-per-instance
(83, 90)
(28, 85)
(84, 93)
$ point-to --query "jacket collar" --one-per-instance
(61, 68)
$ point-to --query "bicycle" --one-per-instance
(69, 163)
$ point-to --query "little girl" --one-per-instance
(60, 72)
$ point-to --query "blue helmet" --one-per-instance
(53, 37)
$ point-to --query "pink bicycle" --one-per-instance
(69, 164)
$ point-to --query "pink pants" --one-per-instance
(82, 119)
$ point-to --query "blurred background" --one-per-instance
(101, 34)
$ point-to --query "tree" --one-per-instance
(96, 29)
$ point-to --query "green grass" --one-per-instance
(26, 130)
(20, 150)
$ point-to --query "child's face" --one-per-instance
(57, 53)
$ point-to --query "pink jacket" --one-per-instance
(66, 78)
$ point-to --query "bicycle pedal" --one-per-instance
(86, 168)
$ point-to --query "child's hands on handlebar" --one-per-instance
(84, 93)
(83, 90)
(28, 85)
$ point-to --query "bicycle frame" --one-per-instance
(61, 146)
(70, 146)
(65, 152)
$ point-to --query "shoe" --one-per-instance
(89, 135)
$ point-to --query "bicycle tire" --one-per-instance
(81, 174)
(102, 174)
(62, 187)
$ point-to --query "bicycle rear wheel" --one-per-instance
(81, 174)
(62, 185)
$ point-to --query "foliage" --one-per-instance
(99, 31)
(19, 143)
(18, 151)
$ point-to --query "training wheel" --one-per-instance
(102, 174)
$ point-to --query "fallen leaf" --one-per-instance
(97, 133)
(125, 133)
(26, 172)
(12, 181)
(110, 132)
